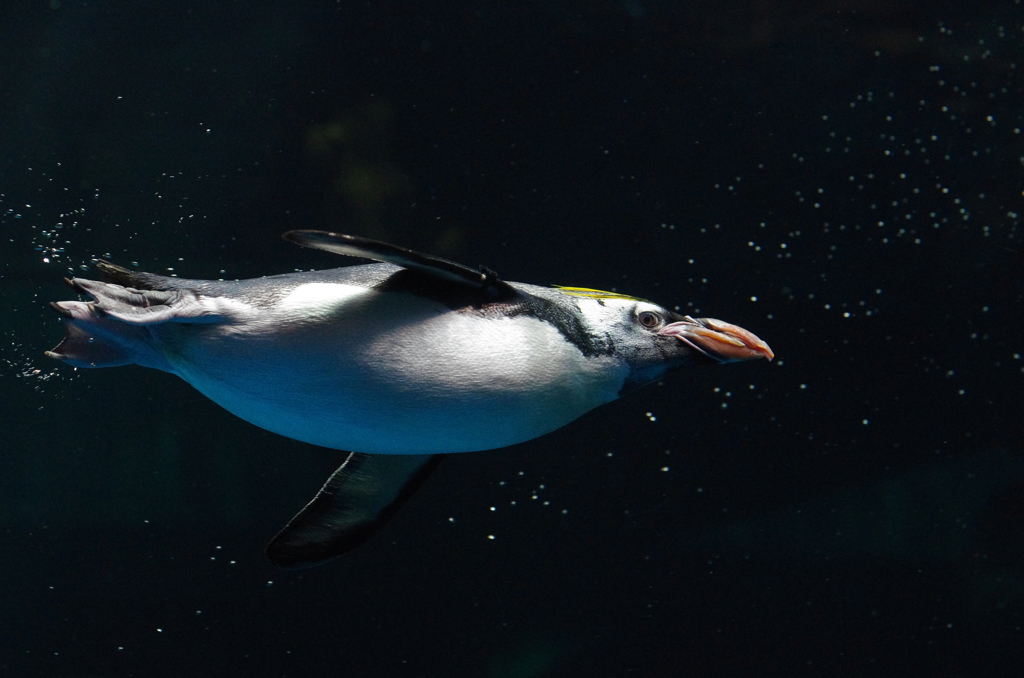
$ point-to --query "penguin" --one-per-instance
(397, 363)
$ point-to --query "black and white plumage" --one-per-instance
(396, 362)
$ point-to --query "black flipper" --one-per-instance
(354, 246)
(355, 502)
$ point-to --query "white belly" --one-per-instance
(354, 369)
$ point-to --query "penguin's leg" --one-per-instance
(114, 327)
(355, 502)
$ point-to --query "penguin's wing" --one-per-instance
(355, 502)
(354, 246)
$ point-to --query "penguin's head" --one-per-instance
(652, 339)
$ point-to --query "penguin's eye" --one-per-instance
(649, 319)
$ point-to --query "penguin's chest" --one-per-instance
(356, 369)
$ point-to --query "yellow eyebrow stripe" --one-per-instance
(594, 294)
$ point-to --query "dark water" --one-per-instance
(844, 179)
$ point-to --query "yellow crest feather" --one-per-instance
(594, 294)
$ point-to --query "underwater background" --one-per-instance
(843, 178)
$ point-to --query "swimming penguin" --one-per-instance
(397, 363)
